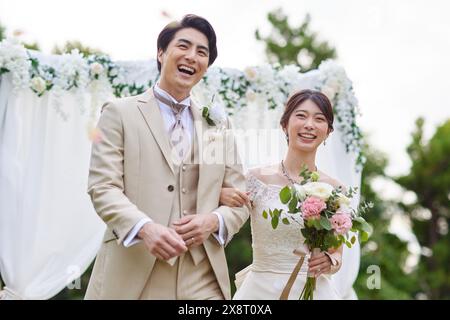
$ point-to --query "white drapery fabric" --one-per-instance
(49, 232)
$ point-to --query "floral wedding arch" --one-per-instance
(49, 105)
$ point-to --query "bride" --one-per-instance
(307, 121)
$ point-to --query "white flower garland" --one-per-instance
(234, 89)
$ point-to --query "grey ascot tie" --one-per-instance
(178, 134)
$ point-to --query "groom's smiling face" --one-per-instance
(184, 62)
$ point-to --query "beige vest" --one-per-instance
(191, 276)
(186, 190)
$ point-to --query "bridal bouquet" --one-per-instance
(327, 217)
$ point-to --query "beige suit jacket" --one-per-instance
(131, 176)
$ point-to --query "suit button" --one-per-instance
(184, 168)
(170, 188)
(185, 212)
(183, 190)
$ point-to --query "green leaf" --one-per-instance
(316, 224)
(304, 232)
(285, 221)
(366, 227)
(34, 63)
(348, 244)
(264, 214)
(205, 112)
(209, 121)
(275, 222)
(364, 236)
(353, 239)
(285, 195)
(276, 212)
(293, 205)
(359, 219)
(325, 223)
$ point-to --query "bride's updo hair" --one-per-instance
(315, 96)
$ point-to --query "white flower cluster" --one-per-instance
(266, 84)
(14, 59)
(72, 71)
(233, 89)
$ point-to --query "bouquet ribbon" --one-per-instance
(287, 289)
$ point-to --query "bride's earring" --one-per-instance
(287, 138)
(324, 142)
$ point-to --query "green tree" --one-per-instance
(384, 250)
(71, 45)
(294, 45)
(429, 179)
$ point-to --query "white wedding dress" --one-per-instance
(273, 257)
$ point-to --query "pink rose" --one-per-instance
(312, 207)
(341, 222)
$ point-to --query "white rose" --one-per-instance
(301, 192)
(96, 68)
(250, 73)
(343, 201)
(38, 84)
(320, 190)
(217, 114)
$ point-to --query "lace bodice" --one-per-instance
(272, 248)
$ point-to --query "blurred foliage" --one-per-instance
(71, 45)
(73, 292)
(32, 46)
(384, 249)
(2, 32)
(239, 253)
(290, 45)
(429, 179)
(18, 33)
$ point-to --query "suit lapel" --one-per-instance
(155, 122)
(206, 171)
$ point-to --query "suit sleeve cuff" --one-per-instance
(131, 238)
(221, 234)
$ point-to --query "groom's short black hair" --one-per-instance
(188, 21)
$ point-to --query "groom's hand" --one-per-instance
(161, 241)
(196, 228)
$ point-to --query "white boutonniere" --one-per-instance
(214, 114)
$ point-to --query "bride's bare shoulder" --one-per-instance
(267, 174)
(326, 178)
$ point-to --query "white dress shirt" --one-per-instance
(169, 121)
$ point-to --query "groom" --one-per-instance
(151, 185)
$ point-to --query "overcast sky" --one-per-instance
(396, 52)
